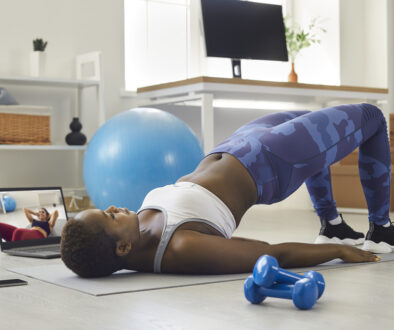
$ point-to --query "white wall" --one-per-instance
(71, 27)
(319, 63)
(34, 198)
(363, 42)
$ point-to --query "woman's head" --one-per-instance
(43, 214)
(95, 243)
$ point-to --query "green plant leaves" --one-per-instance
(298, 39)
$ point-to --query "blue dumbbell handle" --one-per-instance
(277, 291)
(304, 300)
(267, 271)
(303, 294)
(286, 276)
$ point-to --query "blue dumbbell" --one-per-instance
(266, 272)
(303, 293)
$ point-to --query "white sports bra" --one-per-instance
(185, 202)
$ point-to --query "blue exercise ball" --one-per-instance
(9, 203)
(134, 152)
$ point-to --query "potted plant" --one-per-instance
(37, 57)
(298, 39)
(39, 45)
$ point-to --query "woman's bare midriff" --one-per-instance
(227, 178)
(223, 175)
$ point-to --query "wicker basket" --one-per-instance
(20, 125)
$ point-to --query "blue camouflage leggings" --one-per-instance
(283, 150)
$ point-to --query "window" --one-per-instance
(156, 41)
(164, 42)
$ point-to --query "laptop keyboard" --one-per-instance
(47, 248)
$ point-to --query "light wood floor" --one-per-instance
(359, 297)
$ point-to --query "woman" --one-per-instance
(40, 227)
(187, 227)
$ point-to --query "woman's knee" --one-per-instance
(17, 235)
(371, 113)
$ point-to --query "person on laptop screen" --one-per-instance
(187, 227)
(41, 227)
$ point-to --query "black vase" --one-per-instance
(75, 138)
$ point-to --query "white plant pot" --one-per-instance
(37, 63)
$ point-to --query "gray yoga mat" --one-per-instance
(129, 281)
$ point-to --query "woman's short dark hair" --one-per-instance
(88, 252)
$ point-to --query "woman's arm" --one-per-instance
(195, 253)
(53, 219)
(29, 214)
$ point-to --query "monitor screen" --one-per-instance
(244, 30)
(26, 208)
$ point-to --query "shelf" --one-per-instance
(40, 147)
(48, 82)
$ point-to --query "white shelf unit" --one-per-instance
(53, 83)
(48, 82)
(78, 85)
(27, 147)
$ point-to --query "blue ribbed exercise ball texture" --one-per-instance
(9, 203)
(136, 151)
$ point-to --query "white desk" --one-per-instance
(206, 89)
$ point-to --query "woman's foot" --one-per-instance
(341, 233)
(379, 239)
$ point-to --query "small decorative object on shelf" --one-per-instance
(75, 138)
(298, 39)
(6, 98)
(37, 58)
(39, 45)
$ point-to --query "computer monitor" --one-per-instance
(243, 30)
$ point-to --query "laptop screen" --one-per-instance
(29, 214)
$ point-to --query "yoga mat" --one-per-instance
(130, 281)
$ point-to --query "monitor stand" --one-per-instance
(236, 68)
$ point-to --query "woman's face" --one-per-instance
(117, 222)
(42, 215)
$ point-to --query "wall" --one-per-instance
(363, 42)
(320, 63)
(71, 27)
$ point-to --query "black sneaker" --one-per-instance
(379, 239)
(338, 234)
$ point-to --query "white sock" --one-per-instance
(335, 221)
(387, 224)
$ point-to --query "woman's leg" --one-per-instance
(315, 141)
(6, 231)
(21, 234)
(319, 185)
(247, 144)
(320, 190)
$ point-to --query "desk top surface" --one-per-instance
(239, 81)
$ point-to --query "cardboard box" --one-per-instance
(347, 189)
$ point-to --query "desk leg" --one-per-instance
(207, 122)
(100, 103)
(78, 103)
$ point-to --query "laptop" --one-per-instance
(18, 208)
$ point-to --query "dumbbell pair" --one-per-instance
(268, 280)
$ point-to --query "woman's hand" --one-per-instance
(353, 254)
(28, 214)
(30, 211)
